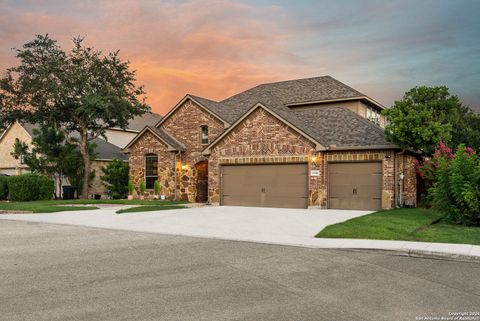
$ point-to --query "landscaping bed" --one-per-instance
(415, 224)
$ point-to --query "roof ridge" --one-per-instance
(296, 79)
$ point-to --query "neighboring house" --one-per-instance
(105, 153)
(121, 137)
(108, 148)
(312, 142)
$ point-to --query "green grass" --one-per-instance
(414, 224)
(51, 206)
(40, 207)
(148, 208)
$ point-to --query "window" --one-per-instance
(204, 135)
(151, 170)
(373, 115)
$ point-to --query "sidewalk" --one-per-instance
(259, 225)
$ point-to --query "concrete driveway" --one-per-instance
(268, 225)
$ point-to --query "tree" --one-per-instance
(467, 130)
(80, 93)
(422, 119)
(52, 155)
(115, 178)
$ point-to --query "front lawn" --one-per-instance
(148, 208)
(40, 207)
(412, 224)
(51, 206)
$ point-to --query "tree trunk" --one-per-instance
(86, 163)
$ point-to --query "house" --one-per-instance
(121, 137)
(107, 148)
(312, 142)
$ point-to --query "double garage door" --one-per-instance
(279, 185)
(351, 185)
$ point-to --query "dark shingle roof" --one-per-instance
(280, 94)
(330, 126)
(106, 150)
(103, 149)
(167, 138)
(341, 127)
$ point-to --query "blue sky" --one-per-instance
(217, 48)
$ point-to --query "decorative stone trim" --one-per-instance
(263, 160)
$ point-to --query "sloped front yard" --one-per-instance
(403, 224)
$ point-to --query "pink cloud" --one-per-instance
(210, 48)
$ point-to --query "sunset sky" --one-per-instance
(217, 48)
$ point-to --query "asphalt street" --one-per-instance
(57, 272)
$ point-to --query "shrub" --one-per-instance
(460, 187)
(30, 187)
(455, 180)
(3, 187)
(115, 178)
(131, 187)
(156, 187)
(142, 188)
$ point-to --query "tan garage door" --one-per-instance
(355, 186)
(280, 185)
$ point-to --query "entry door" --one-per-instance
(279, 185)
(355, 186)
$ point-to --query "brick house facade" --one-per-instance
(256, 127)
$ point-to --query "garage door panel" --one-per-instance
(279, 185)
(355, 185)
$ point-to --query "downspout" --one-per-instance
(399, 180)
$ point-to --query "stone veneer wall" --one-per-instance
(150, 144)
(184, 124)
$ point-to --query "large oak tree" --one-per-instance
(80, 92)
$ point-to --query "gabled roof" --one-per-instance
(172, 143)
(319, 145)
(282, 94)
(207, 104)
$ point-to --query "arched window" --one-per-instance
(204, 134)
(151, 170)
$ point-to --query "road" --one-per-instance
(57, 272)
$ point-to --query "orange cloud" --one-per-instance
(210, 48)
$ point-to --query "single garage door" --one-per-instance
(279, 185)
(355, 186)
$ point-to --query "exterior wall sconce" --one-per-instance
(184, 167)
(313, 159)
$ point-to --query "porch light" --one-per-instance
(184, 167)
(313, 159)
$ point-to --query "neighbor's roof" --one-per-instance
(107, 151)
(104, 150)
(147, 119)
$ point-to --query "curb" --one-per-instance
(420, 254)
